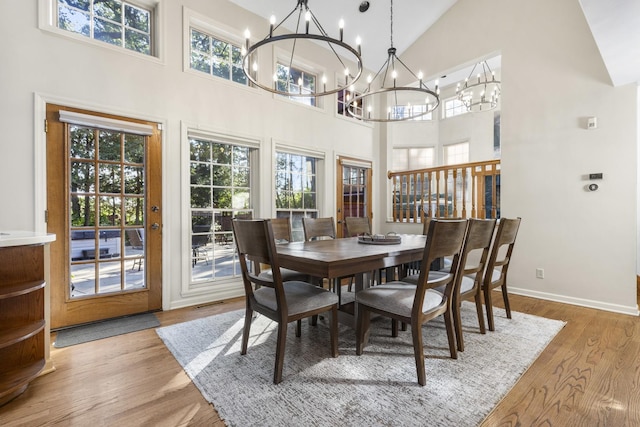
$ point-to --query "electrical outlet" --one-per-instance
(540, 273)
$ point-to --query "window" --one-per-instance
(402, 111)
(455, 154)
(453, 107)
(293, 80)
(344, 99)
(216, 57)
(220, 190)
(115, 22)
(296, 191)
(412, 159)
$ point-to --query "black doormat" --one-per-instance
(105, 329)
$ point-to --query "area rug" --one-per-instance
(378, 388)
(105, 329)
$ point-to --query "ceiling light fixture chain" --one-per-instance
(384, 100)
(289, 42)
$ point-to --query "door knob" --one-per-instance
(155, 226)
(155, 208)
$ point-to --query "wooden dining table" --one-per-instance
(338, 258)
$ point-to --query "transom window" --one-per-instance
(216, 57)
(296, 191)
(412, 158)
(453, 107)
(220, 191)
(294, 80)
(116, 22)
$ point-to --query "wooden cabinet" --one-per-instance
(22, 315)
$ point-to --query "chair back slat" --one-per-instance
(357, 225)
(281, 229)
(479, 238)
(318, 228)
(502, 247)
(255, 243)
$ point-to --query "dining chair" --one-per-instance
(318, 228)
(282, 234)
(416, 304)
(473, 261)
(495, 274)
(282, 302)
(357, 225)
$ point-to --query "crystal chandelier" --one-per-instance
(384, 100)
(307, 30)
(481, 90)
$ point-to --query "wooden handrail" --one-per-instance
(467, 190)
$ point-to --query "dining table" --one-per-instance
(334, 259)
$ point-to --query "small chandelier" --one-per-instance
(307, 28)
(395, 103)
(481, 90)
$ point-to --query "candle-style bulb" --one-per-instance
(307, 18)
(341, 26)
(272, 22)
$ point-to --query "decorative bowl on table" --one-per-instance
(380, 239)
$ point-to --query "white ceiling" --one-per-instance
(411, 18)
(615, 25)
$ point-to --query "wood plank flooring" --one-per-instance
(589, 375)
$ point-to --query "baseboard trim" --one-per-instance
(614, 308)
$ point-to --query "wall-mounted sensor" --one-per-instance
(593, 187)
(592, 123)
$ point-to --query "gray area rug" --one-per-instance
(378, 388)
(105, 329)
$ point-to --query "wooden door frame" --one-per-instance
(148, 299)
(340, 194)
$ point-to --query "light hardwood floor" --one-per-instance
(589, 375)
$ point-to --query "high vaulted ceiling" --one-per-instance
(615, 25)
(411, 18)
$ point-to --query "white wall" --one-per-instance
(80, 74)
(552, 79)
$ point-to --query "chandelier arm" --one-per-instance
(282, 22)
(408, 69)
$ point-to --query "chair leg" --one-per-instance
(451, 335)
(489, 307)
(248, 317)
(505, 297)
(280, 347)
(394, 328)
(479, 311)
(362, 329)
(418, 352)
(457, 323)
(299, 328)
(334, 331)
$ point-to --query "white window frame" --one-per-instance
(213, 28)
(227, 287)
(48, 21)
(280, 56)
(319, 157)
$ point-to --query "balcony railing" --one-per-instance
(468, 190)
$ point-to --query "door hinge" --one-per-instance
(46, 216)
(46, 126)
